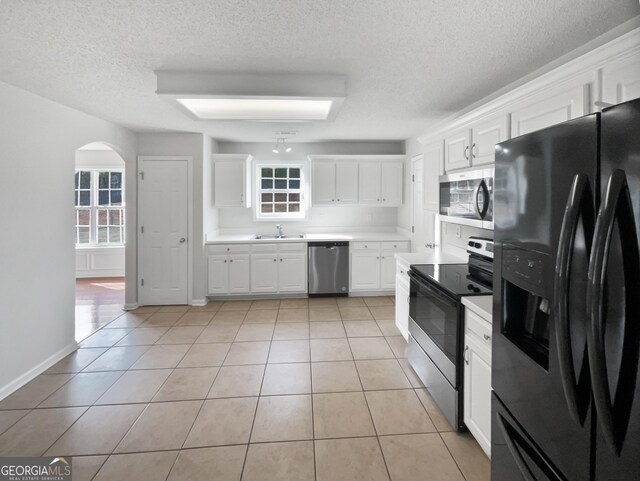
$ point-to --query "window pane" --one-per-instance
(294, 184)
(267, 197)
(114, 234)
(294, 197)
(267, 172)
(294, 207)
(114, 217)
(116, 180)
(102, 234)
(103, 197)
(102, 217)
(103, 180)
(281, 184)
(294, 173)
(281, 207)
(83, 235)
(281, 172)
(267, 184)
(84, 217)
(116, 197)
(77, 176)
(85, 180)
(85, 197)
(266, 208)
(281, 197)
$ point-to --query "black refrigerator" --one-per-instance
(566, 396)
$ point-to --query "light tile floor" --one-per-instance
(291, 390)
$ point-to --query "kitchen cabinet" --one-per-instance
(292, 272)
(334, 182)
(231, 180)
(457, 148)
(380, 183)
(402, 297)
(484, 137)
(278, 268)
(477, 378)
(373, 265)
(620, 80)
(228, 270)
(264, 272)
(542, 112)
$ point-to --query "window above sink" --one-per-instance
(280, 192)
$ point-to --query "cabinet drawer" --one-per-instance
(369, 246)
(264, 247)
(227, 248)
(479, 327)
(398, 246)
(293, 247)
(402, 271)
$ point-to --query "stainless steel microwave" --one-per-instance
(467, 198)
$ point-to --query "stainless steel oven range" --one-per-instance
(436, 323)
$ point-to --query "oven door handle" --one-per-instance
(432, 289)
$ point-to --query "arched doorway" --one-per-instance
(100, 223)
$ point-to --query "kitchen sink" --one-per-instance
(268, 236)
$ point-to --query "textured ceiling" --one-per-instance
(407, 61)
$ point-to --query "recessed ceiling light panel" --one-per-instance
(258, 109)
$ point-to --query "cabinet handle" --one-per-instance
(474, 150)
(332, 200)
(486, 337)
(401, 272)
(338, 200)
(466, 359)
(227, 249)
(231, 261)
(225, 261)
(378, 200)
(466, 152)
(377, 257)
(281, 259)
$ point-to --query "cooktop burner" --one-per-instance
(453, 278)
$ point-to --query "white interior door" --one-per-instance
(163, 217)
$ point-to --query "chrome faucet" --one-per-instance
(280, 230)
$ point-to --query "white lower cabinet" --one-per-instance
(373, 265)
(218, 274)
(239, 274)
(402, 298)
(228, 270)
(264, 272)
(477, 378)
(292, 272)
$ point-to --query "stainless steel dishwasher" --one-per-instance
(328, 268)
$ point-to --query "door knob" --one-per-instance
(182, 240)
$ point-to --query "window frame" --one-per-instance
(258, 191)
(94, 208)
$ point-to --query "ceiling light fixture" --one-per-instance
(281, 144)
(255, 97)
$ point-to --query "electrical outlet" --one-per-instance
(458, 231)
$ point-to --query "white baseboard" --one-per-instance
(199, 302)
(36, 370)
(130, 307)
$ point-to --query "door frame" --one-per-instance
(139, 222)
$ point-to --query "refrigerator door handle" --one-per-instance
(616, 205)
(485, 194)
(580, 201)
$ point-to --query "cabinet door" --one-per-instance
(456, 150)
(292, 272)
(402, 306)
(346, 182)
(229, 183)
(369, 183)
(239, 280)
(387, 271)
(477, 391)
(365, 271)
(391, 183)
(432, 168)
(323, 182)
(485, 135)
(217, 274)
(621, 80)
(548, 111)
(264, 272)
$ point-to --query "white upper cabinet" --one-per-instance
(433, 162)
(485, 135)
(457, 148)
(346, 183)
(369, 183)
(231, 179)
(621, 80)
(323, 182)
(391, 183)
(549, 110)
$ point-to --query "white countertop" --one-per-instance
(435, 257)
(361, 236)
(481, 305)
